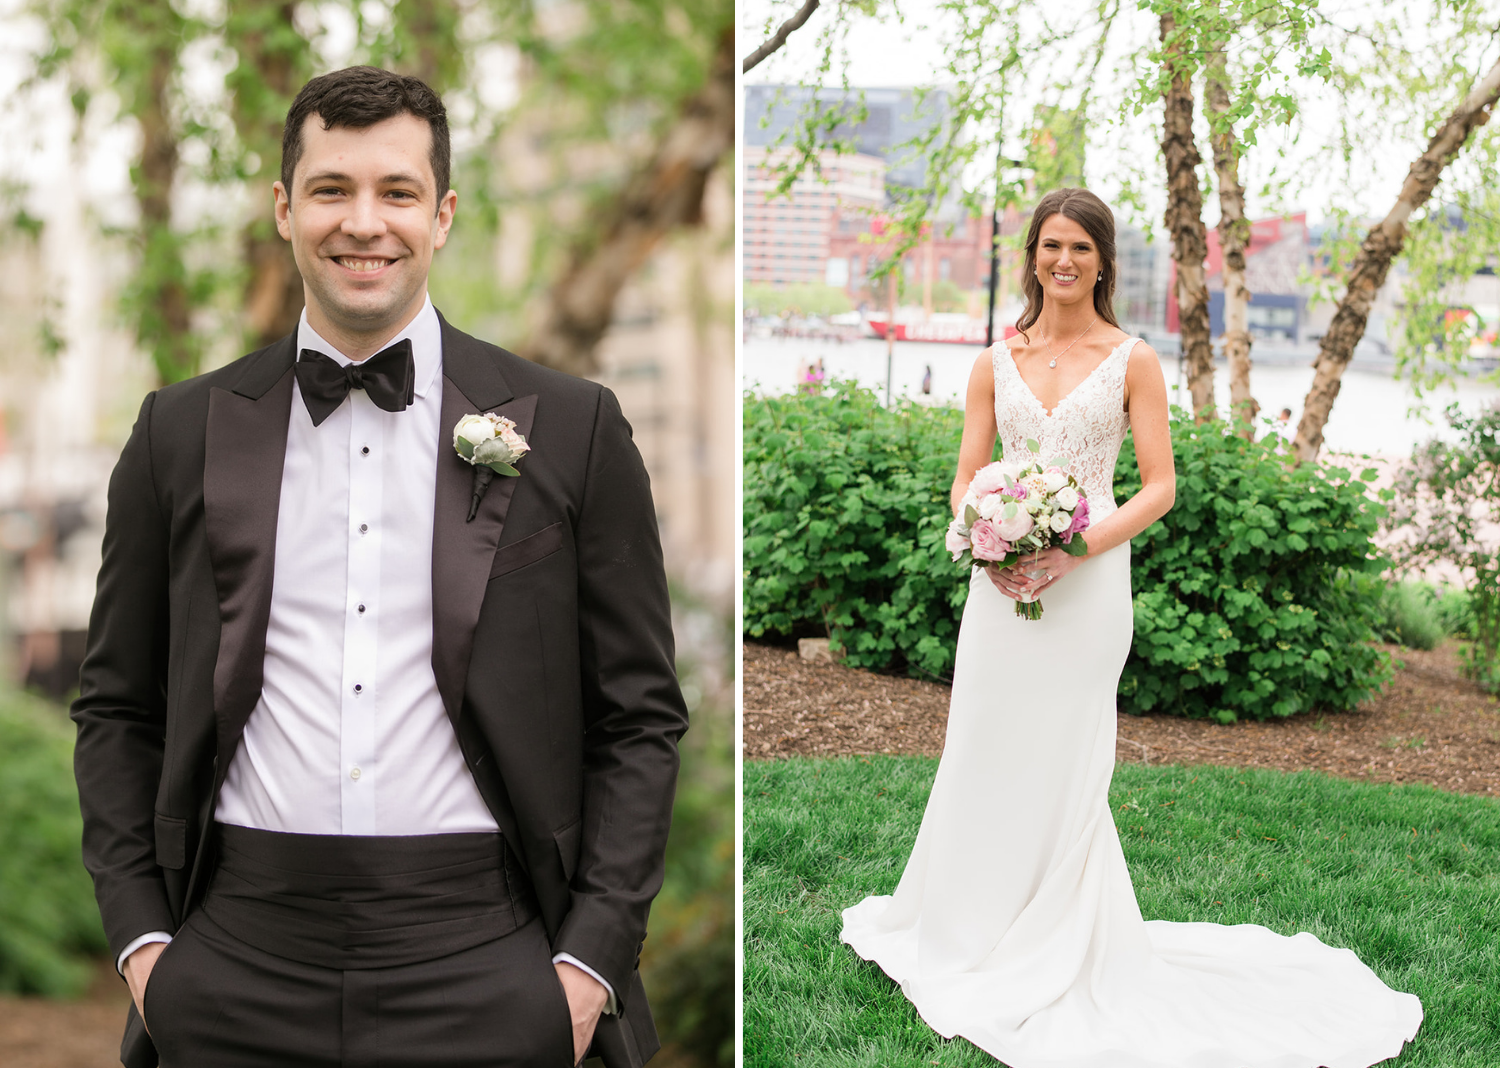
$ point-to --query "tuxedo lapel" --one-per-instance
(245, 450)
(463, 551)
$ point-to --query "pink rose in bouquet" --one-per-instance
(1017, 526)
(1012, 511)
(987, 542)
(1080, 516)
(988, 479)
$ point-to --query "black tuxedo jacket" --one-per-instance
(552, 648)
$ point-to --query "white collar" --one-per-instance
(425, 333)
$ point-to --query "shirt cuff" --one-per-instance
(611, 1007)
(144, 940)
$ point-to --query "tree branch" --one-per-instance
(663, 195)
(1382, 245)
(779, 37)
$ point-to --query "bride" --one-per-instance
(1015, 923)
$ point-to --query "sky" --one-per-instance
(909, 51)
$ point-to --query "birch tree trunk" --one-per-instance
(665, 194)
(1380, 247)
(1234, 236)
(1184, 219)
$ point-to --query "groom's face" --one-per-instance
(364, 218)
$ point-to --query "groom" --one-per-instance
(371, 775)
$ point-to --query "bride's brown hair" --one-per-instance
(1091, 213)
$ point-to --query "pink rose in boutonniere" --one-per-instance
(490, 443)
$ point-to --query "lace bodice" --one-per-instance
(1087, 426)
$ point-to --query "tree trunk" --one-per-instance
(164, 320)
(1234, 236)
(666, 193)
(1380, 247)
(429, 49)
(1184, 221)
(273, 61)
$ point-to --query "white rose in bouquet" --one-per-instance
(1054, 481)
(1067, 497)
(1060, 522)
(991, 504)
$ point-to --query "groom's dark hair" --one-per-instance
(358, 97)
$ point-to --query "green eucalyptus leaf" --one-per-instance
(501, 468)
(970, 515)
(1034, 445)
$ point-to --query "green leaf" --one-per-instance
(1076, 547)
(465, 448)
(501, 468)
(970, 515)
(1034, 445)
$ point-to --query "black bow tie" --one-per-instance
(389, 377)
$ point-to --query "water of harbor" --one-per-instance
(1373, 414)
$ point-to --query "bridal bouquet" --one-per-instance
(1015, 509)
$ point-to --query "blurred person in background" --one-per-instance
(343, 805)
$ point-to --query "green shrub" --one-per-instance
(1454, 609)
(1247, 599)
(687, 963)
(1408, 615)
(845, 507)
(1443, 501)
(1247, 594)
(48, 919)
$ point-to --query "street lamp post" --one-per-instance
(989, 324)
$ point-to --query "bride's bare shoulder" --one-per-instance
(1141, 352)
(984, 368)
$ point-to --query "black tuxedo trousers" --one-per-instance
(552, 650)
(332, 951)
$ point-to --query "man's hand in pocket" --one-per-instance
(138, 972)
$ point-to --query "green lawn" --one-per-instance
(1407, 876)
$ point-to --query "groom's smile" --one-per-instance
(364, 220)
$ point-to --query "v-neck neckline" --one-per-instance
(1062, 400)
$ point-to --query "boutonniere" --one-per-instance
(490, 443)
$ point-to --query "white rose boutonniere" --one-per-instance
(490, 443)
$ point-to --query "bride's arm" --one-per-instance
(979, 427)
(1146, 398)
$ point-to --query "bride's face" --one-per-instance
(1067, 261)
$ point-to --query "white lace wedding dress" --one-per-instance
(1015, 923)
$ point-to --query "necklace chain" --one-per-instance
(1075, 341)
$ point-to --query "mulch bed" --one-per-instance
(1429, 725)
(38, 1033)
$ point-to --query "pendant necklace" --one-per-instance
(1075, 341)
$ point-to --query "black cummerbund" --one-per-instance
(357, 901)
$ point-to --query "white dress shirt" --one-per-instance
(350, 735)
